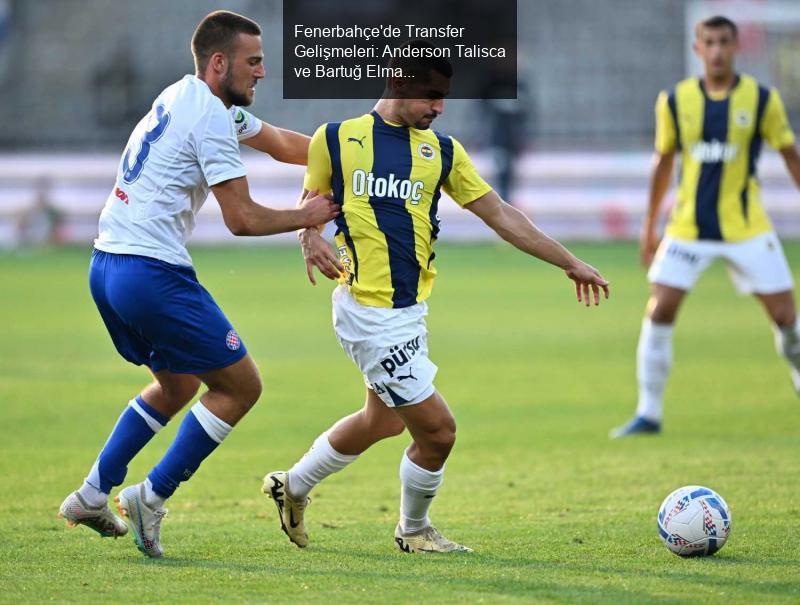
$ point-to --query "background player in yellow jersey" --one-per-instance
(387, 169)
(717, 123)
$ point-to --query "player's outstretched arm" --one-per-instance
(284, 145)
(659, 184)
(518, 230)
(243, 216)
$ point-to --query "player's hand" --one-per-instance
(318, 209)
(648, 244)
(587, 278)
(317, 253)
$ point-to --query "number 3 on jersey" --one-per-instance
(131, 173)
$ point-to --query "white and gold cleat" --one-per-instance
(428, 539)
(76, 511)
(290, 511)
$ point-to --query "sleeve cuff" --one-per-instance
(225, 176)
(480, 193)
(256, 129)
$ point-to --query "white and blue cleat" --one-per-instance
(638, 426)
(145, 521)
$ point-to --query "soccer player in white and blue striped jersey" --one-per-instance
(143, 283)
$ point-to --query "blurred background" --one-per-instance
(573, 151)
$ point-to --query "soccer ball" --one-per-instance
(694, 521)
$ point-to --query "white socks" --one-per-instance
(151, 498)
(93, 496)
(419, 487)
(319, 462)
(653, 363)
(216, 428)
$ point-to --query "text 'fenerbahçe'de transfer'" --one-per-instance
(388, 180)
(719, 137)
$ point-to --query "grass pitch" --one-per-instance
(556, 512)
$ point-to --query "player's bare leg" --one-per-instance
(781, 309)
(232, 391)
(331, 452)
(169, 393)
(354, 434)
(653, 360)
(433, 428)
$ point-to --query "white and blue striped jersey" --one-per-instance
(188, 142)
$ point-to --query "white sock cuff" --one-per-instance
(151, 497)
(416, 477)
(655, 330)
(217, 429)
(323, 445)
(154, 424)
(789, 331)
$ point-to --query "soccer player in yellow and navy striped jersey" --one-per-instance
(388, 169)
(717, 125)
(389, 179)
(719, 136)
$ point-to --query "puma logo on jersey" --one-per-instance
(713, 152)
(359, 141)
(392, 187)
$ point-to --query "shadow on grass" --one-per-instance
(505, 576)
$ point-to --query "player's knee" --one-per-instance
(250, 392)
(440, 442)
(247, 386)
(187, 391)
(182, 391)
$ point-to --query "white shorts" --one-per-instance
(389, 346)
(756, 265)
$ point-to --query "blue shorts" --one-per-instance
(160, 316)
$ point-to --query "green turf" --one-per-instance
(556, 512)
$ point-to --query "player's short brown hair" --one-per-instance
(217, 33)
(421, 67)
(716, 22)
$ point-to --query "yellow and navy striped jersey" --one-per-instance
(388, 179)
(719, 138)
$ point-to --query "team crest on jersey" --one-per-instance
(743, 118)
(232, 340)
(426, 151)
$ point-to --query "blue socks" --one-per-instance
(199, 434)
(136, 426)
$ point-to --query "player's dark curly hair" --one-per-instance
(217, 33)
(716, 22)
